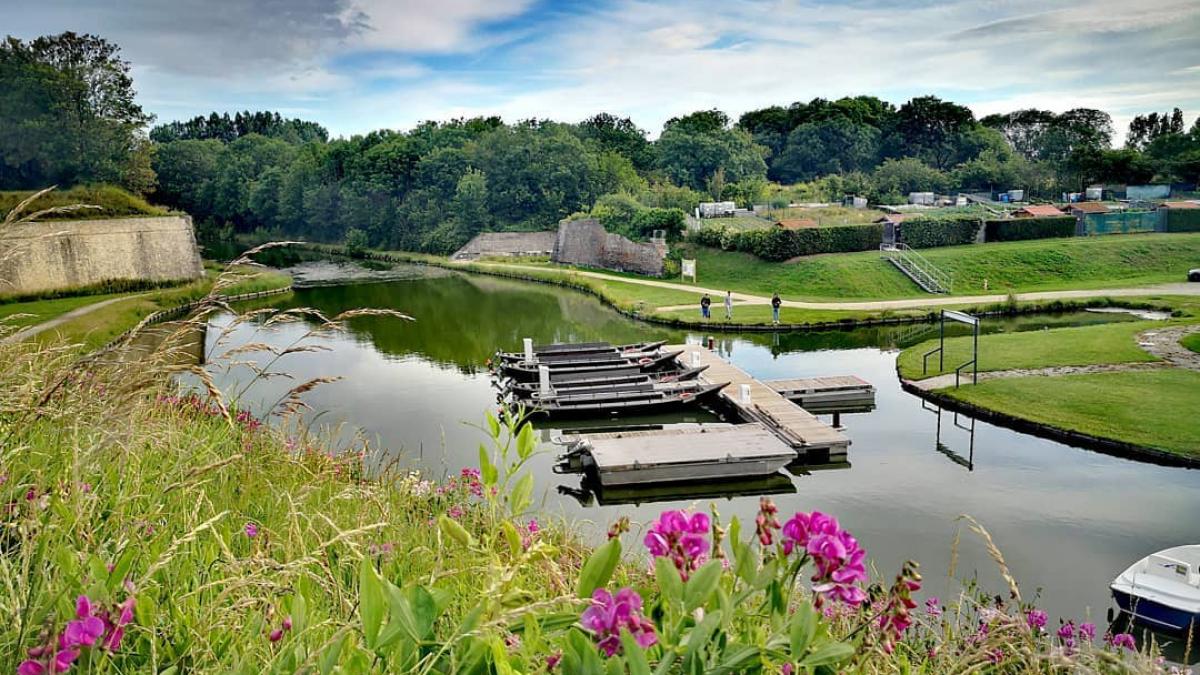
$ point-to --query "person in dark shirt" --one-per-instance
(776, 303)
(705, 302)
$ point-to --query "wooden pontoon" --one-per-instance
(630, 381)
(827, 394)
(652, 361)
(627, 402)
(560, 351)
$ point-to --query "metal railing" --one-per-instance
(917, 268)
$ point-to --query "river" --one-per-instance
(1067, 520)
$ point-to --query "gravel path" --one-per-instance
(1164, 343)
(30, 331)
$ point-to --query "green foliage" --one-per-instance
(68, 115)
(356, 241)
(1029, 228)
(694, 155)
(895, 178)
(113, 202)
(931, 232)
(778, 244)
(228, 129)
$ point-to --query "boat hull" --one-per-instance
(1155, 614)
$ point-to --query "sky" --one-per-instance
(359, 65)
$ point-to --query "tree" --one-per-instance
(691, 157)
(835, 145)
(931, 129)
(699, 122)
(619, 135)
(68, 114)
(227, 129)
(1143, 129)
(470, 203)
(895, 178)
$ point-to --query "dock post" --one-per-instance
(745, 394)
(528, 342)
(544, 382)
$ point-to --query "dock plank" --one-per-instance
(793, 424)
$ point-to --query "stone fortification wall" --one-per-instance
(585, 242)
(507, 243)
(47, 256)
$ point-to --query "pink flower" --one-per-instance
(82, 632)
(276, 635)
(1036, 619)
(553, 660)
(933, 607)
(533, 528)
(30, 667)
(786, 669)
(684, 540)
(895, 618)
(608, 615)
(840, 562)
(1087, 631)
(765, 523)
(1122, 641)
(63, 660)
(287, 623)
(251, 530)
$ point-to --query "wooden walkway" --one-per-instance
(704, 452)
(792, 424)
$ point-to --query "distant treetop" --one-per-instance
(227, 129)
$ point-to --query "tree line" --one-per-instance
(68, 115)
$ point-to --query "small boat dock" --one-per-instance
(833, 394)
(757, 401)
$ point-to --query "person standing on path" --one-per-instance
(705, 302)
(775, 304)
(728, 305)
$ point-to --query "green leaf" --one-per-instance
(526, 441)
(635, 656)
(329, 658)
(299, 613)
(514, 539)
(452, 529)
(700, 636)
(487, 471)
(737, 660)
(371, 601)
(828, 654)
(580, 655)
(669, 583)
(599, 567)
(804, 626)
(522, 494)
(701, 584)
(493, 425)
(424, 612)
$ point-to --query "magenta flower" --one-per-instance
(895, 617)
(608, 615)
(1036, 619)
(30, 667)
(1087, 631)
(82, 632)
(251, 530)
(1122, 641)
(933, 607)
(787, 669)
(533, 527)
(276, 635)
(684, 540)
(553, 660)
(835, 552)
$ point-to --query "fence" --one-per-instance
(1121, 222)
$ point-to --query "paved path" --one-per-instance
(1161, 342)
(1182, 288)
(30, 331)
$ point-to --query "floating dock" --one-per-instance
(687, 453)
(830, 394)
(757, 401)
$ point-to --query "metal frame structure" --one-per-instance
(940, 350)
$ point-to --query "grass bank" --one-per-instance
(110, 202)
(205, 541)
(1018, 267)
(1077, 346)
(1141, 408)
(1192, 342)
(97, 328)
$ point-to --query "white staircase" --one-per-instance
(916, 267)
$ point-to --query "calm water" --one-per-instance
(1067, 520)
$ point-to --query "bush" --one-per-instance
(113, 202)
(1030, 228)
(1180, 220)
(929, 232)
(779, 244)
(356, 241)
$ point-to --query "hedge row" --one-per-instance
(1183, 220)
(1030, 228)
(927, 232)
(779, 244)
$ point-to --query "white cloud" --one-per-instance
(423, 26)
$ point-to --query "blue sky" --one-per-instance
(358, 65)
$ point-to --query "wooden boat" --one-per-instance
(651, 361)
(677, 455)
(527, 389)
(608, 392)
(568, 350)
(1162, 590)
(571, 360)
(639, 402)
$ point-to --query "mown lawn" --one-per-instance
(1042, 265)
(1080, 346)
(39, 311)
(1150, 408)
